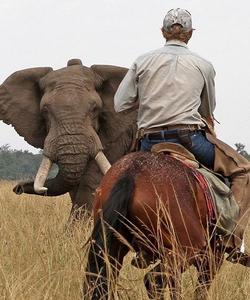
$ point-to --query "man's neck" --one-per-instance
(176, 43)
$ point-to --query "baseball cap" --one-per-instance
(178, 16)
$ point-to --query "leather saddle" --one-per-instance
(177, 151)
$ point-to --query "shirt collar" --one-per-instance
(176, 43)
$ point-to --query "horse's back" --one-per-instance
(167, 201)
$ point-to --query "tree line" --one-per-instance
(23, 165)
(20, 164)
(240, 148)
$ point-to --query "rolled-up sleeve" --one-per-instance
(126, 95)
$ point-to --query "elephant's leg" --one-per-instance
(74, 207)
(84, 199)
(78, 213)
(82, 196)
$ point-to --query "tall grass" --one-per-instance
(40, 259)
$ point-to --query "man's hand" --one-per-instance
(209, 121)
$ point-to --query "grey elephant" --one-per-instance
(69, 114)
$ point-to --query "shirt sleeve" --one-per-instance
(208, 101)
(126, 94)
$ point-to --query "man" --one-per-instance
(174, 89)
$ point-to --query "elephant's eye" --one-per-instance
(94, 112)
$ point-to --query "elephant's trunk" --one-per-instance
(72, 167)
(70, 171)
(52, 187)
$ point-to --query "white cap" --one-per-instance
(178, 16)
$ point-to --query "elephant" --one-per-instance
(69, 114)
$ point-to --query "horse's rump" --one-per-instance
(167, 203)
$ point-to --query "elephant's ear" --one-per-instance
(111, 77)
(20, 97)
(114, 128)
(107, 80)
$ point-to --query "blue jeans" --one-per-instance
(202, 149)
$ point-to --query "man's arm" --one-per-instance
(126, 95)
(208, 102)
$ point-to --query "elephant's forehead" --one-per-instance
(69, 75)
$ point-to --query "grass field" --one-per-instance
(40, 260)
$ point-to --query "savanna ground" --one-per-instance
(39, 259)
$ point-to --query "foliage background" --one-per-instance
(20, 164)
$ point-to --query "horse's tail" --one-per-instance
(110, 229)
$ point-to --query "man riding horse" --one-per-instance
(174, 89)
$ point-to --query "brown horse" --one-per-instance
(153, 204)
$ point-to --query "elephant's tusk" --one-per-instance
(102, 162)
(42, 175)
(100, 158)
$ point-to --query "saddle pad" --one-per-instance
(224, 204)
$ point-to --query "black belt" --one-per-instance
(167, 135)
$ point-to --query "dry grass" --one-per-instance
(40, 260)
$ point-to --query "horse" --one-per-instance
(153, 204)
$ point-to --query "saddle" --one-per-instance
(223, 209)
(177, 151)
